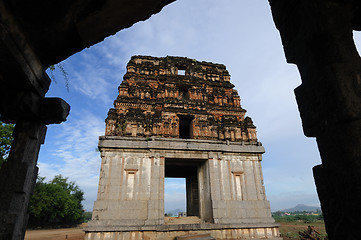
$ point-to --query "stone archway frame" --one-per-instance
(328, 99)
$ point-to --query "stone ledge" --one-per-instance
(177, 227)
(179, 144)
(219, 234)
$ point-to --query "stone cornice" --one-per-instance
(179, 144)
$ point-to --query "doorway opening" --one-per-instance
(188, 171)
(175, 203)
(185, 126)
(183, 92)
(181, 72)
(197, 186)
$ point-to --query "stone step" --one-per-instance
(195, 237)
(182, 220)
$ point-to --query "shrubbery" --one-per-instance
(87, 216)
(301, 217)
(56, 203)
(6, 138)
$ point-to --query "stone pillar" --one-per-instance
(205, 197)
(17, 179)
(156, 200)
(192, 193)
(317, 37)
(338, 179)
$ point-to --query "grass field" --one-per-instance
(290, 230)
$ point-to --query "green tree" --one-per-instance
(6, 139)
(57, 202)
(87, 216)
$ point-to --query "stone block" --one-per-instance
(219, 204)
(195, 237)
(153, 214)
(222, 213)
(154, 204)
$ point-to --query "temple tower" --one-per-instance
(178, 117)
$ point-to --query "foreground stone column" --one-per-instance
(317, 37)
(17, 179)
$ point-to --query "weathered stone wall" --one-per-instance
(238, 193)
(131, 186)
(155, 100)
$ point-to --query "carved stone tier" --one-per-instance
(178, 97)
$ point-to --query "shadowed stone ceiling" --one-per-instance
(57, 29)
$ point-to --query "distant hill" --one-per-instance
(302, 208)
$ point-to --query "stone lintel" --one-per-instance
(116, 142)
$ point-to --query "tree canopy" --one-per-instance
(57, 202)
(6, 139)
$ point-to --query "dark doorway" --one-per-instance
(184, 92)
(185, 126)
(188, 169)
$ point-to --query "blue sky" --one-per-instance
(239, 34)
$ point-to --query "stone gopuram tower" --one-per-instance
(177, 117)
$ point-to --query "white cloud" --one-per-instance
(48, 170)
(175, 184)
(74, 153)
(92, 84)
(92, 77)
(239, 34)
(174, 201)
(174, 194)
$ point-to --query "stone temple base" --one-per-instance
(185, 231)
(224, 190)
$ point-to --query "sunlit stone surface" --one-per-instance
(171, 123)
